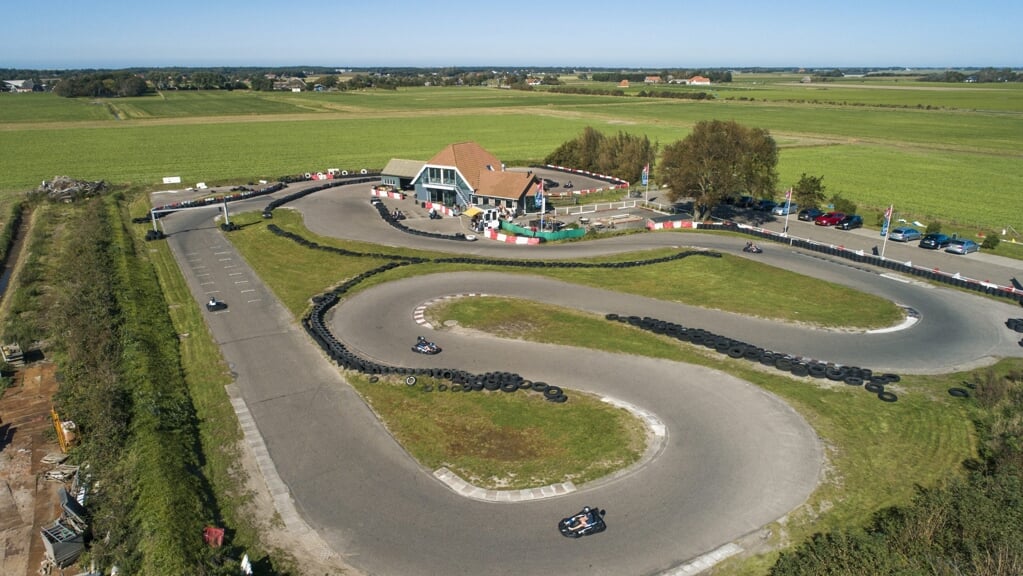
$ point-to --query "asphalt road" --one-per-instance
(735, 457)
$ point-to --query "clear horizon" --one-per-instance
(652, 34)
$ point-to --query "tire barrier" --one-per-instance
(735, 349)
(461, 381)
(1015, 324)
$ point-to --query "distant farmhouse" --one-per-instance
(462, 175)
(19, 86)
(698, 81)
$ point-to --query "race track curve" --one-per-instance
(735, 458)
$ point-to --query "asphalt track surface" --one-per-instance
(735, 458)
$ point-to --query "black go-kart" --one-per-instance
(424, 346)
(215, 305)
(587, 521)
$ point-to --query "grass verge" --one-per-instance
(506, 441)
(728, 283)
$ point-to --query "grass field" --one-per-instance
(947, 152)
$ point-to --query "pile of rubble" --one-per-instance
(67, 189)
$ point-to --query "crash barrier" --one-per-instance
(276, 230)
(860, 256)
(241, 193)
(795, 365)
(613, 182)
(540, 234)
(387, 192)
(461, 381)
(511, 238)
(670, 224)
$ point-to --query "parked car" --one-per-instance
(904, 234)
(548, 183)
(829, 219)
(850, 221)
(961, 246)
(785, 209)
(809, 214)
(765, 205)
(935, 241)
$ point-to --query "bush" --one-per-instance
(933, 228)
(990, 242)
(843, 205)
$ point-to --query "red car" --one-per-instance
(829, 219)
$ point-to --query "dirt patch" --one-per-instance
(27, 501)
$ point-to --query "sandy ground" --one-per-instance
(27, 501)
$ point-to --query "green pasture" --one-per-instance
(959, 163)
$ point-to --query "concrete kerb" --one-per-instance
(657, 437)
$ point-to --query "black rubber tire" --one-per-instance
(477, 386)
(552, 391)
(373, 379)
(959, 392)
(783, 364)
(557, 399)
(613, 317)
(509, 387)
(892, 377)
(526, 385)
(768, 358)
(539, 386)
(737, 351)
(874, 387)
(834, 373)
(410, 381)
(800, 370)
(817, 370)
(879, 379)
(886, 396)
(753, 354)
(853, 380)
(442, 387)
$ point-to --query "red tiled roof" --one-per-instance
(470, 158)
(510, 185)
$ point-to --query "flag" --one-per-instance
(539, 194)
(646, 173)
(887, 220)
(788, 194)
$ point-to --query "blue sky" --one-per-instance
(598, 33)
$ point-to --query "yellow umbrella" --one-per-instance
(472, 211)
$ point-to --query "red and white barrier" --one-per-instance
(384, 193)
(510, 238)
(440, 208)
(651, 225)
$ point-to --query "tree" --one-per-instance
(809, 191)
(717, 160)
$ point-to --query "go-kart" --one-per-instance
(587, 521)
(752, 248)
(213, 305)
(424, 346)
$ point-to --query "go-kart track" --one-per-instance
(732, 459)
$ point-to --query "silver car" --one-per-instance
(960, 246)
(783, 210)
(904, 234)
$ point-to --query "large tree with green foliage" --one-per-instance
(717, 160)
(809, 191)
(622, 155)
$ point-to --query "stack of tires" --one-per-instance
(795, 365)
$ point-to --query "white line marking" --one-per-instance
(249, 290)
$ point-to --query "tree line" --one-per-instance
(622, 155)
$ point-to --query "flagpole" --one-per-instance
(887, 228)
(788, 206)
